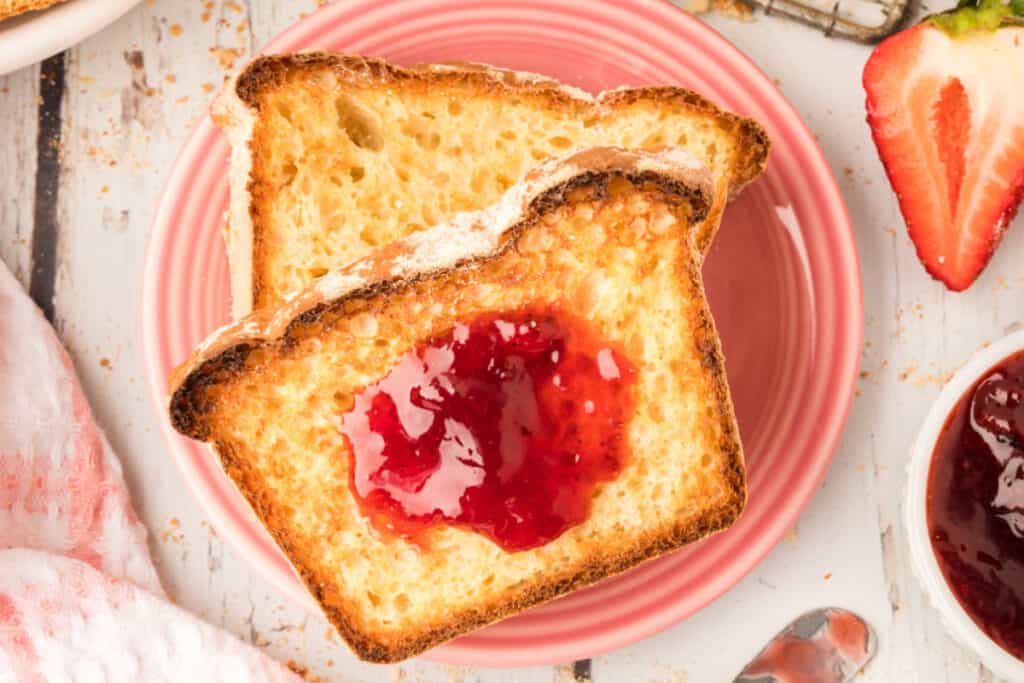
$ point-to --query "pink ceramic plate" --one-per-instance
(782, 277)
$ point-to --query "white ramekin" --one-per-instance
(926, 567)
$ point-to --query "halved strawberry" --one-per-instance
(945, 103)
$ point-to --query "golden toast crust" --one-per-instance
(553, 186)
(239, 111)
(10, 8)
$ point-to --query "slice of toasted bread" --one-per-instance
(605, 235)
(10, 8)
(334, 155)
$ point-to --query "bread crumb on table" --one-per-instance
(733, 9)
(226, 56)
(172, 532)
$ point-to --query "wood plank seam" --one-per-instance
(581, 671)
(45, 227)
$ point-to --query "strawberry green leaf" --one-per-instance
(977, 15)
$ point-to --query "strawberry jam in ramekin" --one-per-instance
(975, 503)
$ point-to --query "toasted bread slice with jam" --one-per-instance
(335, 155)
(641, 456)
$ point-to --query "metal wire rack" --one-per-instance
(864, 20)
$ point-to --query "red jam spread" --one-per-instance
(505, 425)
(976, 503)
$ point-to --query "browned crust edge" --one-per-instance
(27, 6)
(267, 72)
(185, 415)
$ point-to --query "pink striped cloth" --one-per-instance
(79, 597)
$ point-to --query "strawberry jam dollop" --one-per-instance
(505, 425)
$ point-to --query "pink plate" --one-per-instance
(783, 280)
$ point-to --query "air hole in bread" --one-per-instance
(619, 185)
(411, 127)
(285, 111)
(503, 181)
(402, 174)
(454, 108)
(402, 602)
(705, 460)
(256, 357)
(317, 272)
(508, 134)
(370, 235)
(288, 172)
(361, 126)
(590, 122)
(655, 140)
(373, 598)
(539, 154)
(356, 173)
(560, 142)
(428, 115)
(682, 139)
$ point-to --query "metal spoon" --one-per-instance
(827, 645)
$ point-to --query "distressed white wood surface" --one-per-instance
(131, 95)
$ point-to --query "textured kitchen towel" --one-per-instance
(79, 596)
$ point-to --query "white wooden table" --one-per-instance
(85, 144)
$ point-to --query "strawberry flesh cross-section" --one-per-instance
(945, 102)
